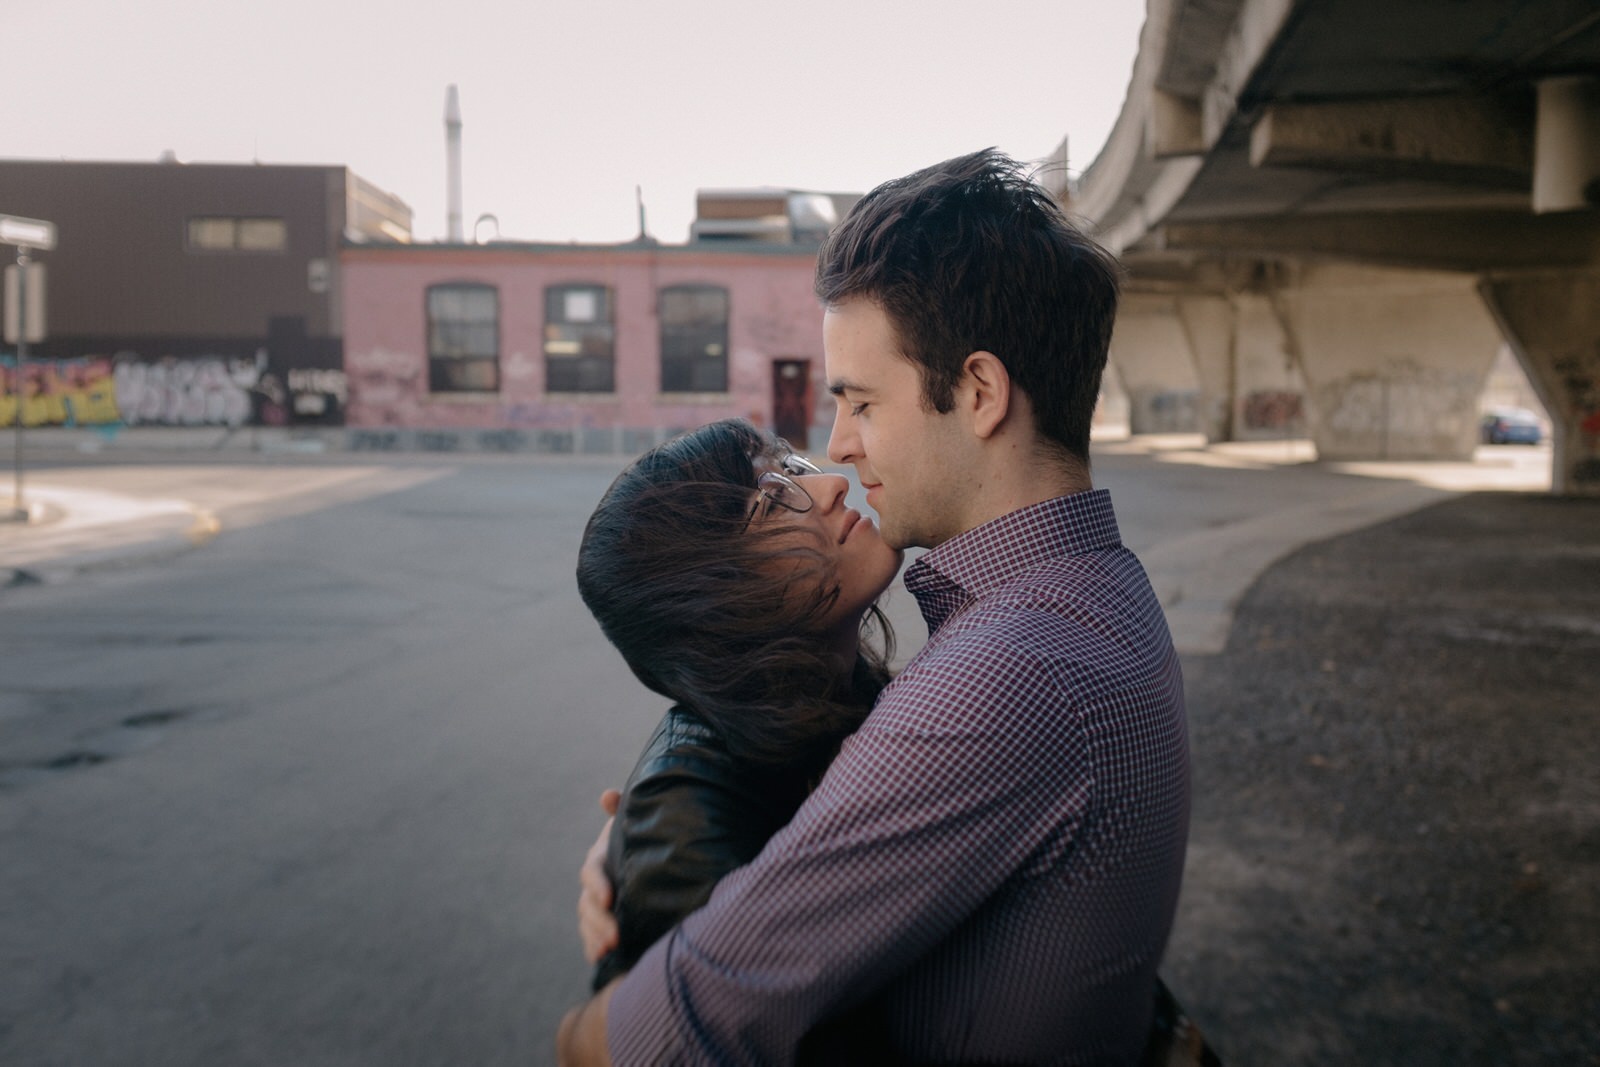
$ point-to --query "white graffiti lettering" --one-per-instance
(193, 392)
(318, 380)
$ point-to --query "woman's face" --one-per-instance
(859, 561)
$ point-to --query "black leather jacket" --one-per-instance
(690, 813)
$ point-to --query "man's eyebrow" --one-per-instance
(837, 387)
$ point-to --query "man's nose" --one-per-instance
(842, 444)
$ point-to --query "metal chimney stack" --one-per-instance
(452, 133)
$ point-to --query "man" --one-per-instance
(994, 858)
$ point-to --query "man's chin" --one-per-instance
(892, 537)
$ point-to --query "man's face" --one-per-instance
(909, 457)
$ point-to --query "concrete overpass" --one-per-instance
(1333, 211)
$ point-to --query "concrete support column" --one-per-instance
(1208, 328)
(1395, 360)
(1111, 411)
(1566, 160)
(1269, 388)
(1151, 354)
(1552, 321)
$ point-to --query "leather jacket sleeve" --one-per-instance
(690, 813)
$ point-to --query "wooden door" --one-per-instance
(791, 400)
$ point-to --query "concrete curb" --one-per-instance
(110, 440)
(1200, 577)
(77, 531)
(64, 568)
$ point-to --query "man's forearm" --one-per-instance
(581, 1040)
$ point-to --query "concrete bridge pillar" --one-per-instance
(1552, 321)
(1394, 360)
(1222, 364)
(1269, 389)
(1207, 322)
(1111, 411)
(1152, 357)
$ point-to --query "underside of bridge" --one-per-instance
(1334, 211)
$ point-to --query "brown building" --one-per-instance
(191, 293)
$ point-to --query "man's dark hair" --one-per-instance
(722, 618)
(973, 255)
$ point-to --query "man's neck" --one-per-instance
(1016, 478)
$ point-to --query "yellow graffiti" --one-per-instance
(74, 392)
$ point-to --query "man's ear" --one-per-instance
(989, 385)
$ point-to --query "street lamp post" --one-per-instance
(26, 235)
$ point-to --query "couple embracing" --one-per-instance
(978, 859)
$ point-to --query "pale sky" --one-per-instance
(567, 105)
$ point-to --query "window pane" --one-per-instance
(710, 376)
(211, 233)
(446, 303)
(675, 377)
(479, 305)
(595, 376)
(580, 305)
(711, 305)
(463, 338)
(463, 375)
(577, 304)
(262, 235)
(578, 340)
(694, 339)
(677, 308)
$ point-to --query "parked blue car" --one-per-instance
(1511, 426)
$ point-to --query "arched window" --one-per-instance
(463, 338)
(694, 339)
(579, 340)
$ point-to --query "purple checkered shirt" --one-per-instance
(994, 856)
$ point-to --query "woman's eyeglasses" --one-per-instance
(779, 487)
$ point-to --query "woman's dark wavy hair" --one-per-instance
(700, 608)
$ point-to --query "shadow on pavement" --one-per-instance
(1396, 836)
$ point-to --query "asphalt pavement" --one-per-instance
(1395, 844)
(1390, 671)
(98, 502)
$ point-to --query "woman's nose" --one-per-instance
(828, 490)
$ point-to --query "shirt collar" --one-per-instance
(979, 561)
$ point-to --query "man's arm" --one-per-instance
(928, 809)
(581, 1039)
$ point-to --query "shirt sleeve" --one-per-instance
(958, 779)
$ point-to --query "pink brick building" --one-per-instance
(577, 348)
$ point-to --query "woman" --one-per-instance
(735, 581)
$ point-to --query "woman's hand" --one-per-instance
(596, 925)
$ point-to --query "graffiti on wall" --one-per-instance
(1579, 378)
(190, 392)
(388, 392)
(1272, 409)
(1408, 411)
(63, 392)
(384, 388)
(316, 392)
(1587, 467)
(1163, 410)
(125, 390)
